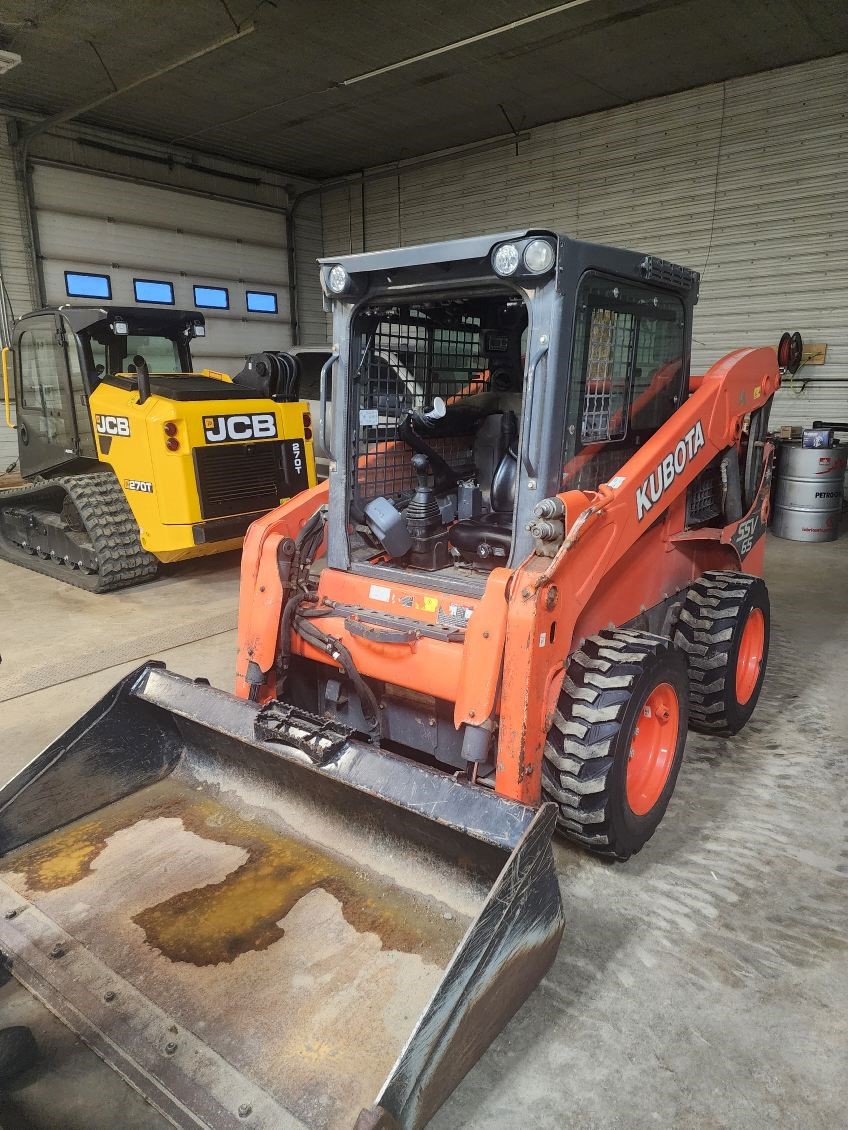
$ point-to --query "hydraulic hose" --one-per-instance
(294, 572)
(337, 651)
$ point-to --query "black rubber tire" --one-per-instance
(18, 1052)
(709, 630)
(588, 747)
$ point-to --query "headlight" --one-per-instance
(337, 279)
(538, 256)
(505, 259)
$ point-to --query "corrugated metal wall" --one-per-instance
(309, 246)
(15, 262)
(746, 181)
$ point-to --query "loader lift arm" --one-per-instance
(646, 491)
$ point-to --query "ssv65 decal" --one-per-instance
(235, 428)
(660, 479)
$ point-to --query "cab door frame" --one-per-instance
(48, 435)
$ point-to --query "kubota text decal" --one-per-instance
(661, 478)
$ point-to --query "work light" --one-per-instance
(337, 279)
(538, 256)
(505, 259)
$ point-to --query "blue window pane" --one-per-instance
(80, 284)
(149, 290)
(212, 297)
(261, 302)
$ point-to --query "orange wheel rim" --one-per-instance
(750, 660)
(652, 748)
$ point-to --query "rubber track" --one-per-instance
(581, 742)
(705, 632)
(110, 526)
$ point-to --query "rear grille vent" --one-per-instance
(703, 498)
(661, 271)
(239, 478)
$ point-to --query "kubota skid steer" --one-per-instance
(317, 902)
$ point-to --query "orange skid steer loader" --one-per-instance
(533, 567)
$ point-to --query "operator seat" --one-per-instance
(487, 540)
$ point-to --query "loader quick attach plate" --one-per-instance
(253, 939)
(319, 738)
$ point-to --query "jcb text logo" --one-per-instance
(661, 478)
(112, 425)
(232, 429)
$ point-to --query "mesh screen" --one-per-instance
(402, 359)
(703, 498)
(627, 369)
(608, 362)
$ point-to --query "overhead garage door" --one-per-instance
(135, 233)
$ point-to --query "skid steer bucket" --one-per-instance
(307, 932)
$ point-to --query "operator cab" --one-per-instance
(120, 344)
(532, 364)
(60, 355)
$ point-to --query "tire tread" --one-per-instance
(579, 751)
(704, 631)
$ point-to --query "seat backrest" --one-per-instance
(502, 497)
(495, 437)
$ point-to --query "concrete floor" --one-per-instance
(703, 984)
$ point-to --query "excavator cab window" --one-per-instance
(628, 367)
